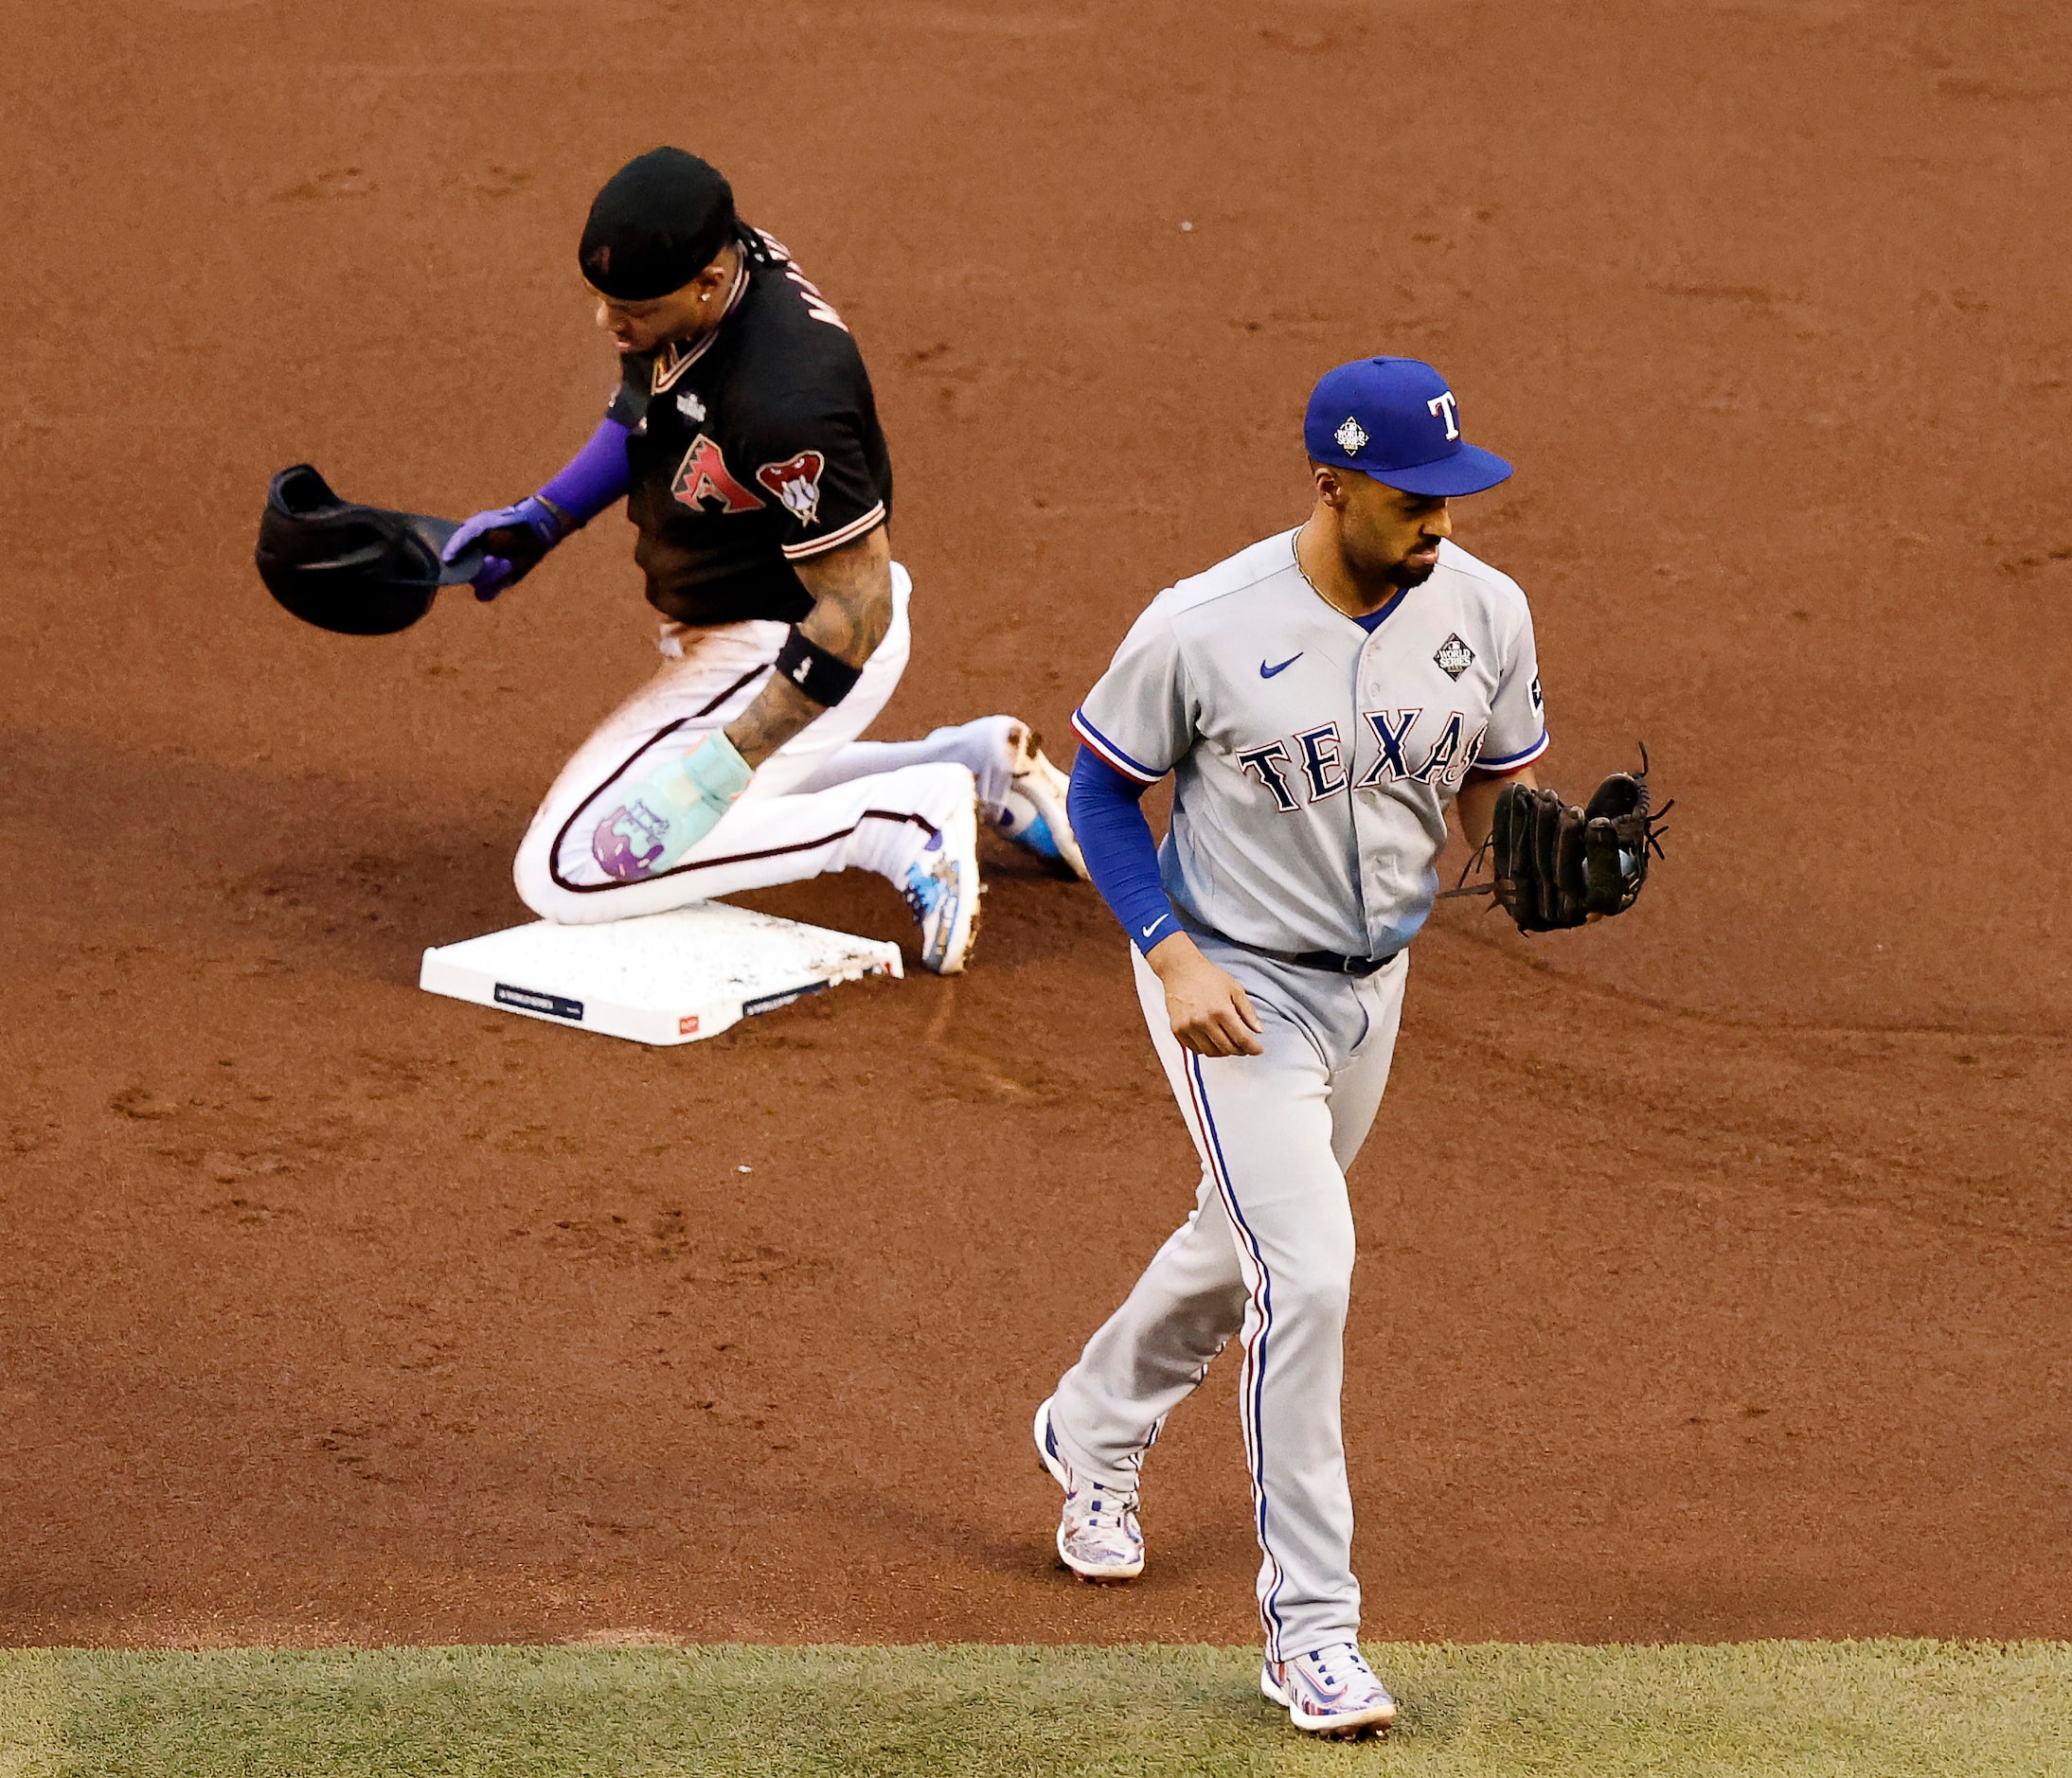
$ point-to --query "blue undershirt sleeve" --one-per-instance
(1117, 841)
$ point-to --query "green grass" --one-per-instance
(1855, 1710)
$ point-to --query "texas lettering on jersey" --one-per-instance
(1313, 760)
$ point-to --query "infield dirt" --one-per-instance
(1717, 1264)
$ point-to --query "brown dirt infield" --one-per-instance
(1718, 1265)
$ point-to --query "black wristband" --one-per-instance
(565, 523)
(821, 676)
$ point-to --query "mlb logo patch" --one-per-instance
(1454, 657)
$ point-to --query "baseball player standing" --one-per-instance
(1321, 700)
(745, 438)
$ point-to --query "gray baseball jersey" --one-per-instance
(1315, 756)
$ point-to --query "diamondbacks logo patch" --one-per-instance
(795, 482)
(703, 476)
(1454, 657)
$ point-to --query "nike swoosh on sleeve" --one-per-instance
(1267, 672)
(1156, 924)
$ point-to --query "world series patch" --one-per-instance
(1454, 657)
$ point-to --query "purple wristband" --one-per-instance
(595, 476)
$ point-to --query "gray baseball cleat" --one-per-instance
(1099, 1538)
(1329, 1692)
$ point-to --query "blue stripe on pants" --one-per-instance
(1254, 1394)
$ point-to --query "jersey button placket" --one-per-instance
(1365, 822)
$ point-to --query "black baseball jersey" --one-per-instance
(754, 447)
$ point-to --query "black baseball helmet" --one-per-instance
(360, 571)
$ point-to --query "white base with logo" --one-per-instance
(668, 978)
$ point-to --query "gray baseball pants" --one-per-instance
(1266, 1254)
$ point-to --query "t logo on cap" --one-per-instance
(1396, 419)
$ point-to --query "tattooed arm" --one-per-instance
(851, 588)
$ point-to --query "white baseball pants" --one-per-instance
(824, 801)
(1267, 1254)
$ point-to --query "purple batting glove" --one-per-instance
(513, 539)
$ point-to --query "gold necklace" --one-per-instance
(1295, 549)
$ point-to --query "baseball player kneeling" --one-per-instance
(744, 439)
(1321, 700)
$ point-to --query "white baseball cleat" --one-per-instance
(1329, 1691)
(1033, 815)
(1099, 1538)
(941, 891)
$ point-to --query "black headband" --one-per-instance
(658, 222)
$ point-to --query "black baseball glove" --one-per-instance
(1556, 864)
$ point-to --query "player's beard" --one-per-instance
(1369, 567)
(1399, 574)
(1379, 576)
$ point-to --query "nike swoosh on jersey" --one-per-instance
(1267, 672)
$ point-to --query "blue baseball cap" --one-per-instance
(1394, 419)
